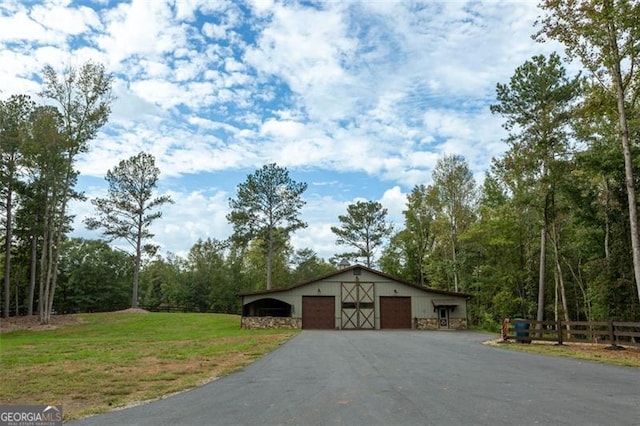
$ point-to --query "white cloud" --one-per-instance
(379, 88)
(68, 21)
(21, 27)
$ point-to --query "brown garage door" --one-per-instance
(318, 312)
(395, 312)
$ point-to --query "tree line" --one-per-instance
(552, 231)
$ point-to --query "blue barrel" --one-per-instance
(521, 336)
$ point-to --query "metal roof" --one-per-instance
(351, 268)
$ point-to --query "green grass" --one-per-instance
(113, 359)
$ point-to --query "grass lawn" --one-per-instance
(96, 362)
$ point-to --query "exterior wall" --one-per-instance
(432, 324)
(271, 322)
(423, 313)
(458, 323)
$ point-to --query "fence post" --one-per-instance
(559, 331)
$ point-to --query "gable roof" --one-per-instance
(351, 268)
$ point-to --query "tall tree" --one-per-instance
(45, 157)
(605, 36)
(365, 228)
(267, 207)
(14, 124)
(406, 253)
(456, 194)
(83, 99)
(130, 207)
(537, 105)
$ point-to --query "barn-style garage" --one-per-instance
(355, 298)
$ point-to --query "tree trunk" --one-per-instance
(626, 149)
(7, 255)
(136, 267)
(585, 300)
(560, 278)
(542, 276)
(454, 243)
(269, 257)
(607, 224)
(32, 273)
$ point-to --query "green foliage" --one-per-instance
(267, 207)
(364, 228)
(130, 207)
(309, 266)
(93, 278)
(407, 250)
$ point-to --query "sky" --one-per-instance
(359, 99)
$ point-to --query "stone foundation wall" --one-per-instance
(426, 323)
(434, 324)
(458, 323)
(271, 322)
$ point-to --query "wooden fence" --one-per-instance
(613, 333)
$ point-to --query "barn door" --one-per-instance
(358, 305)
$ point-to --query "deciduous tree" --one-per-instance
(537, 105)
(605, 36)
(83, 100)
(454, 187)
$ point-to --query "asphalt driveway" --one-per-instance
(400, 378)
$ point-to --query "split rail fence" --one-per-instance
(613, 333)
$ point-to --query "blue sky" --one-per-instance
(357, 98)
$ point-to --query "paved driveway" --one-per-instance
(400, 378)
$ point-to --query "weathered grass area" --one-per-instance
(629, 357)
(111, 360)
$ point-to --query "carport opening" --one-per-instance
(267, 308)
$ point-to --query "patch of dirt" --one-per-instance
(31, 323)
(132, 311)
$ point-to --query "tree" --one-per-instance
(309, 266)
(455, 193)
(130, 207)
(93, 277)
(14, 128)
(267, 207)
(83, 99)
(364, 227)
(605, 36)
(163, 283)
(537, 104)
(406, 253)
